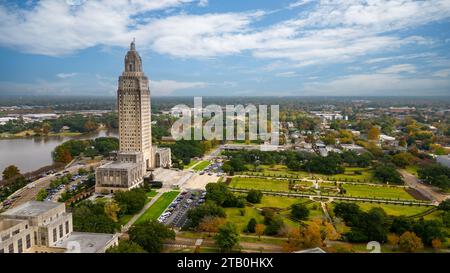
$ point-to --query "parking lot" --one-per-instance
(176, 213)
(75, 182)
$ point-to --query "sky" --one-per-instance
(227, 47)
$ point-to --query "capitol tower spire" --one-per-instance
(136, 154)
(133, 61)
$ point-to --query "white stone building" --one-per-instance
(36, 227)
(136, 154)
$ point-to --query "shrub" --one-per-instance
(254, 196)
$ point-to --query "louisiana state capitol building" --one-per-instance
(136, 156)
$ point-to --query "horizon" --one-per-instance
(288, 48)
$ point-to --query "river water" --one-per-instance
(30, 154)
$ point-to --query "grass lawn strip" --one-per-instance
(158, 207)
(376, 192)
(192, 163)
(201, 166)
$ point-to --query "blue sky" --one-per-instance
(228, 47)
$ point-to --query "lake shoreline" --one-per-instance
(33, 152)
(26, 134)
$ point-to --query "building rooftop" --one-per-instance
(7, 224)
(311, 250)
(89, 242)
(31, 209)
(119, 165)
(443, 160)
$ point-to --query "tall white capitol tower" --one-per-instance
(136, 156)
(133, 98)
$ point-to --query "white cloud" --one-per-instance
(379, 84)
(167, 87)
(66, 75)
(425, 55)
(203, 3)
(332, 31)
(444, 73)
(398, 68)
(287, 74)
(299, 3)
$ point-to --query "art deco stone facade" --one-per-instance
(136, 155)
(36, 227)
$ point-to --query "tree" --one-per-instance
(42, 194)
(209, 208)
(387, 173)
(403, 159)
(150, 235)
(10, 172)
(274, 226)
(126, 247)
(446, 218)
(222, 196)
(331, 233)
(259, 230)
(82, 171)
(410, 242)
(65, 156)
(429, 230)
(111, 210)
(349, 212)
(254, 196)
(436, 244)
(211, 224)
(444, 205)
(216, 192)
(130, 202)
(294, 241)
(393, 239)
(46, 128)
(311, 236)
(251, 226)
(401, 224)
(90, 217)
(436, 175)
(299, 211)
(227, 238)
(374, 133)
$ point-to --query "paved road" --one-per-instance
(213, 153)
(181, 242)
(427, 190)
(29, 192)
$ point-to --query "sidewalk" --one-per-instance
(127, 226)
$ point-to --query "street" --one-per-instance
(29, 192)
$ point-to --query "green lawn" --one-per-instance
(412, 170)
(125, 219)
(158, 207)
(281, 202)
(235, 216)
(152, 193)
(350, 174)
(376, 192)
(259, 184)
(192, 163)
(394, 210)
(241, 221)
(202, 165)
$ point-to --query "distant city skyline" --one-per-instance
(228, 48)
